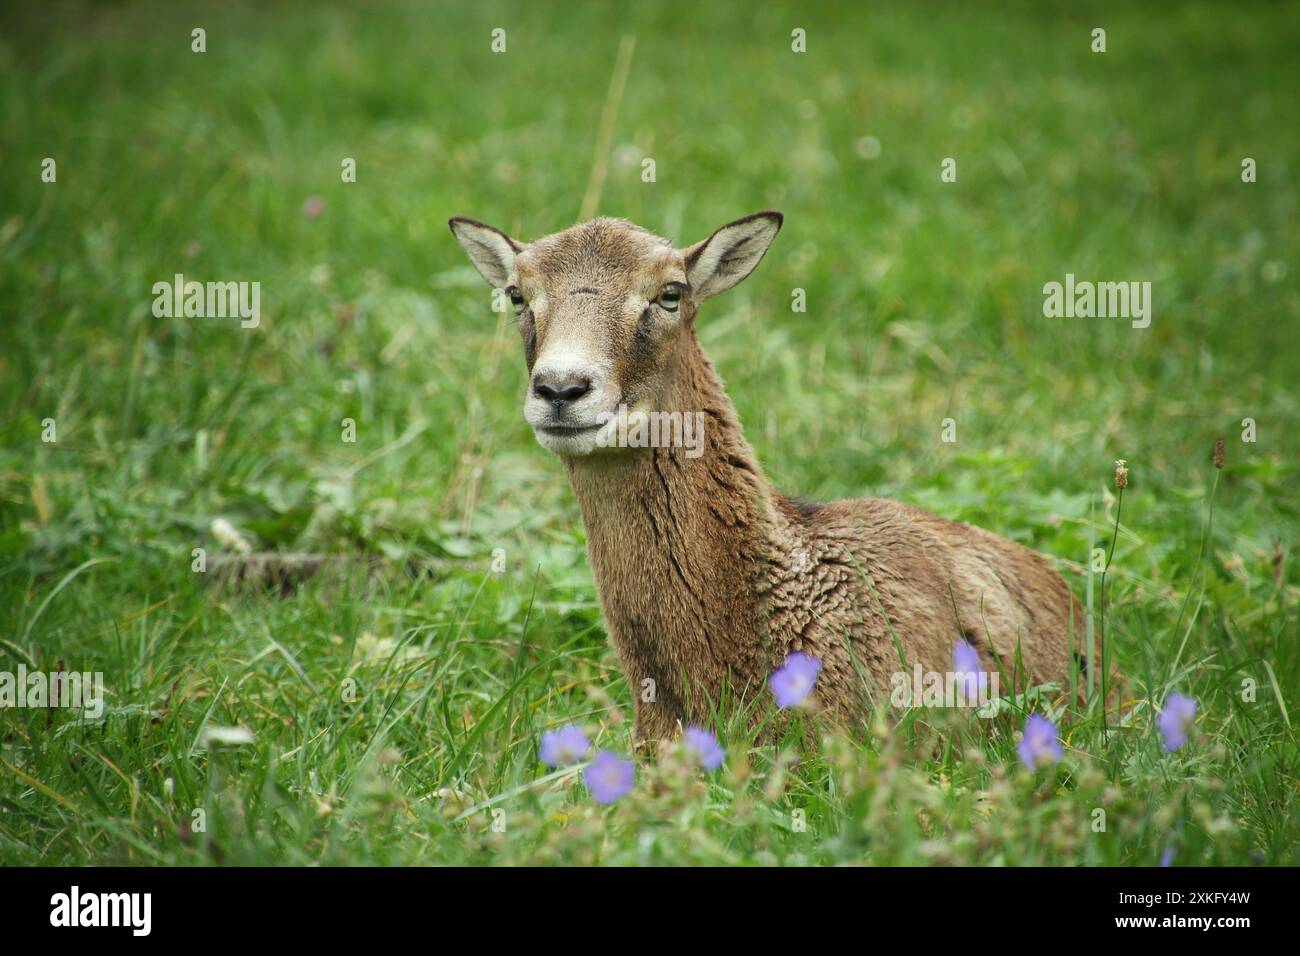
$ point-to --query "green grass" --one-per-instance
(924, 303)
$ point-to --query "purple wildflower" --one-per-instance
(1167, 857)
(794, 680)
(1176, 718)
(609, 777)
(1040, 746)
(703, 749)
(966, 665)
(563, 747)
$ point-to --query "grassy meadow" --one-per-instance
(394, 699)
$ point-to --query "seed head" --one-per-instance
(1218, 453)
(1121, 473)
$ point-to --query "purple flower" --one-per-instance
(965, 659)
(563, 747)
(702, 748)
(1040, 746)
(1167, 857)
(609, 777)
(966, 665)
(1175, 720)
(794, 680)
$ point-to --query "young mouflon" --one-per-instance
(708, 577)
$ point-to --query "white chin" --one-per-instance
(577, 444)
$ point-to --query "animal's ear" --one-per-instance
(730, 254)
(491, 250)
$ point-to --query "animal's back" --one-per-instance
(872, 578)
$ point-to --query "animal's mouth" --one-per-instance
(567, 431)
(576, 434)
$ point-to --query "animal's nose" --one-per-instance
(558, 389)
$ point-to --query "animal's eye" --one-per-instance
(516, 297)
(669, 298)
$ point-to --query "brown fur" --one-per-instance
(709, 578)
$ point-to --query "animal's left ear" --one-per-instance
(491, 250)
(730, 254)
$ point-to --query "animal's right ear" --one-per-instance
(491, 250)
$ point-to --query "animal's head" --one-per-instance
(605, 311)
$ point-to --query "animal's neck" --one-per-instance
(680, 545)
